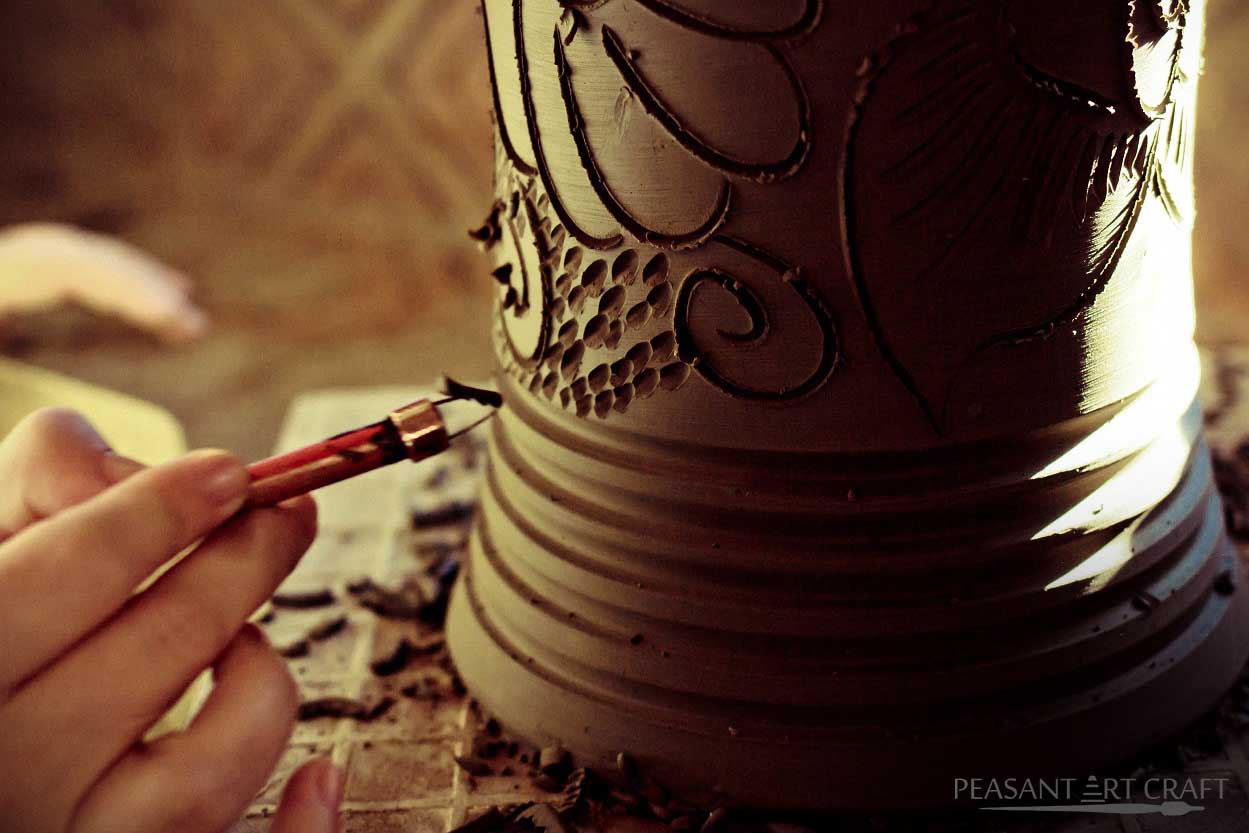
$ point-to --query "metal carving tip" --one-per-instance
(463, 415)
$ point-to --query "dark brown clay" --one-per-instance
(851, 423)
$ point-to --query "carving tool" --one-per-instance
(416, 431)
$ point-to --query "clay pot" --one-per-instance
(851, 442)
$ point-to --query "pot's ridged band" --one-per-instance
(908, 629)
(1088, 729)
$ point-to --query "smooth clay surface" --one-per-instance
(851, 424)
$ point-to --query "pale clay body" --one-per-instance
(848, 353)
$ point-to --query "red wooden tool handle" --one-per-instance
(320, 464)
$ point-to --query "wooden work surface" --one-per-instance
(402, 775)
(401, 772)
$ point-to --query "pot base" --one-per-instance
(1073, 646)
(871, 770)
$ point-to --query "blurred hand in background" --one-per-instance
(45, 265)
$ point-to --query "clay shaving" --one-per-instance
(402, 655)
(445, 514)
(306, 600)
(489, 232)
(404, 602)
(459, 390)
(320, 632)
(344, 707)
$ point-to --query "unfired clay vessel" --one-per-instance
(851, 442)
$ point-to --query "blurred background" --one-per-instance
(314, 165)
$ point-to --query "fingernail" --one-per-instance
(222, 479)
(117, 468)
(330, 785)
(86, 432)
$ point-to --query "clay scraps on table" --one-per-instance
(304, 600)
(403, 602)
(410, 600)
(1231, 474)
(451, 512)
(320, 632)
(582, 798)
(344, 707)
(403, 653)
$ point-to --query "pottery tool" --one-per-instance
(416, 431)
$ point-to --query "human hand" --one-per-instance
(45, 264)
(86, 666)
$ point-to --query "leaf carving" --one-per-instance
(990, 185)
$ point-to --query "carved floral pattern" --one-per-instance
(558, 300)
(998, 157)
